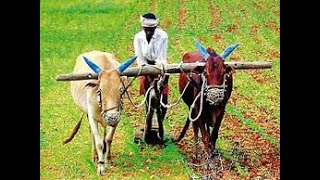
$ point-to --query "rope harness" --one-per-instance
(125, 90)
(214, 94)
(112, 118)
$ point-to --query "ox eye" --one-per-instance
(99, 92)
(99, 97)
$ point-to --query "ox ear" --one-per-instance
(227, 51)
(93, 66)
(204, 53)
(126, 64)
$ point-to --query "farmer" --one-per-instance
(150, 46)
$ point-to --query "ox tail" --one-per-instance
(75, 130)
(183, 132)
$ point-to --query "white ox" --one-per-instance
(100, 99)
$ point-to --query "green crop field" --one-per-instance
(249, 137)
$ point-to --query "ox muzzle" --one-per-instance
(215, 93)
(111, 118)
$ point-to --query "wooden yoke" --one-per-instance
(168, 68)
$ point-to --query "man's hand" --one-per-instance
(161, 64)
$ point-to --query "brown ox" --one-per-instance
(207, 109)
(100, 99)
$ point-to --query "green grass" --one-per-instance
(69, 28)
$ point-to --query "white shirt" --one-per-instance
(156, 50)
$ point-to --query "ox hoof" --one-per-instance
(101, 170)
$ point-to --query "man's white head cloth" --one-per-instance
(149, 20)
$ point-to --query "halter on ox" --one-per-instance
(100, 99)
(207, 94)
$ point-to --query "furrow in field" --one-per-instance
(262, 157)
(182, 15)
(266, 123)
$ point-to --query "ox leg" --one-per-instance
(93, 149)
(99, 144)
(205, 137)
(184, 130)
(148, 125)
(160, 124)
(162, 113)
(109, 138)
(215, 131)
(163, 109)
(147, 107)
(195, 138)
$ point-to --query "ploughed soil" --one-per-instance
(242, 152)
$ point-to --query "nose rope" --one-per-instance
(112, 119)
(115, 107)
(99, 91)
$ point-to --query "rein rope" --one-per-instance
(162, 71)
(214, 94)
(201, 93)
(125, 90)
(177, 102)
(147, 92)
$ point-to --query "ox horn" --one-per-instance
(126, 64)
(227, 51)
(93, 66)
(204, 53)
